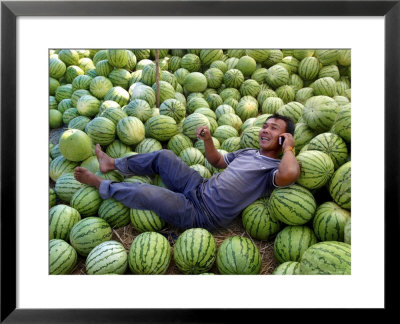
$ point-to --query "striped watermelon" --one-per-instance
(303, 135)
(324, 87)
(347, 232)
(340, 186)
(308, 68)
(250, 87)
(195, 82)
(231, 62)
(277, 76)
(291, 242)
(101, 130)
(103, 68)
(327, 57)
(238, 255)
(62, 257)
(192, 122)
(100, 55)
(81, 82)
(139, 179)
(304, 94)
(214, 77)
(167, 91)
(88, 105)
(233, 78)
(236, 52)
(120, 78)
(91, 163)
(247, 108)
(72, 72)
(302, 53)
(214, 100)
(326, 258)
(79, 122)
(331, 144)
(320, 112)
(173, 108)
(130, 130)
(195, 251)
(114, 213)
(231, 144)
(292, 205)
(249, 137)
(271, 105)
(69, 56)
(161, 127)
(116, 149)
(225, 131)
(66, 186)
(202, 170)
(60, 165)
(52, 198)
(61, 220)
(329, 222)
(224, 109)
(221, 65)
(64, 91)
(146, 220)
(180, 75)
(258, 221)
(292, 109)
(64, 104)
(141, 54)
(88, 233)
(286, 93)
(287, 268)
(191, 62)
(77, 94)
(191, 156)
(75, 145)
(230, 119)
(69, 114)
(113, 175)
(274, 57)
(194, 103)
(55, 118)
(86, 201)
(290, 63)
(57, 68)
(178, 143)
(138, 108)
(260, 55)
(117, 57)
(295, 82)
(342, 123)
(260, 75)
(150, 253)
(247, 65)
(115, 114)
(148, 145)
(119, 95)
(316, 169)
(329, 71)
(144, 92)
(107, 258)
(207, 56)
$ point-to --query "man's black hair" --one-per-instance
(289, 122)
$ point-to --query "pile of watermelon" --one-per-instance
(108, 96)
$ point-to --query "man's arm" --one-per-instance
(212, 155)
(289, 168)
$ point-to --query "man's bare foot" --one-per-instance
(106, 163)
(85, 176)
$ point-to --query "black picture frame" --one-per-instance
(10, 10)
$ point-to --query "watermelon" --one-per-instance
(144, 92)
(150, 253)
(114, 213)
(62, 257)
(250, 88)
(291, 242)
(292, 205)
(326, 57)
(207, 56)
(120, 77)
(195, 103)
(115, 114)
(108, 257)
(249, 137)
(290, 63)
(64, 91)
(274, 57)
(64, 104)
(66, 186)
(247, 65)
(258, 221)
(112, 175)
(173, 108)
(202, 170)
(224, 109)
(130, 130)
(195, 82)
(100, 55)
(146, 220)
(304, 94)
(238, 255)
(195, 251)
(52, 197)
(342, 123)
(231, 144)
(320, 112)
(77, 94)
(57, 68)
(326, 258)
(138, 108)
(61, 220)
(191, 156)
(231, 120)
(91, 163)
(331, 144)
(287, 268)
(277, 76)
(233, 78)
(148, 145)
(101, 130)
(117, 57)
(79, 122)
(340, 186)
(103, 68)
(286, 93)
(161, 127)
(192, 122)
(69, 56)
(141, 54)
(259, 55)
(329, 222)
(88, 233)
(225, 131)
(325, 86)
(199, 144)
(316, 169)
(347, 232)
(86, 201)
(60, 165)
(214, 77)
(178, 143)
(72, 72)
(88, 105)
(308, 68)
(191, 62)
(119, 95)
(271, 105)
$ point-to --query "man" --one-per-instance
(192, 201)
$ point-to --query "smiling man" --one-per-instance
(193, 201)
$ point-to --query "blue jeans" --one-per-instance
(178, 205)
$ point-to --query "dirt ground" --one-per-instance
(127, 234)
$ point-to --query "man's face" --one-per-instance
(270, 132)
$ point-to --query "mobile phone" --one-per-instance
(280, 140)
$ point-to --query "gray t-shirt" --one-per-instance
(248, 177)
